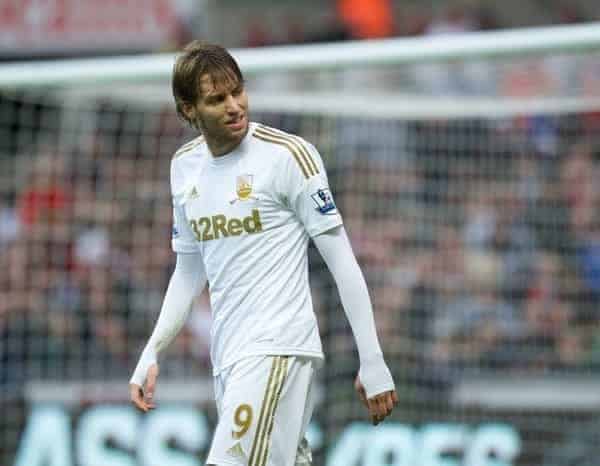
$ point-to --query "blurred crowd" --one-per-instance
(482, 251)
(376, 19)
(85, 246)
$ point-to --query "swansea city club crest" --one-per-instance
(243, 188)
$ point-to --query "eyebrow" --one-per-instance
(216, 94)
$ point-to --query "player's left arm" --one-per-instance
(307, 192)
(374, 382)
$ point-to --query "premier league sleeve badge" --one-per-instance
(324, 201)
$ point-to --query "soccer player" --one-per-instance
(247, 199)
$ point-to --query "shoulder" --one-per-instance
(189, 156)
(186, 160)
(290, 148)
(279, 137)
(189, 147)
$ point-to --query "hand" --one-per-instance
(144, 399)
(380, 406)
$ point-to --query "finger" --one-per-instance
(151, 385)
(386, 404)
(376, 405)
(382, 407)
(137, 397)
(362, 395)
(135, 393)
(374, 417)
(389, 402)
(377, 419)
(373, 411)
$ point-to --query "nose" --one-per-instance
(231, 104)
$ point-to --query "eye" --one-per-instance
(215, 99)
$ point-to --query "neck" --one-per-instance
(219, 148)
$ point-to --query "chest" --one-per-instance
(233, 202)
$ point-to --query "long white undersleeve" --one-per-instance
(337, 253)
(187, 280)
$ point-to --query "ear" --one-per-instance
(190, 111)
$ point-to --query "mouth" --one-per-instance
(237, 124)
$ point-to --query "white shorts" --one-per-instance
(264, 405)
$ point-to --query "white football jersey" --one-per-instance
(250, 214)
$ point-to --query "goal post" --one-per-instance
(465, 168)
(477, 45)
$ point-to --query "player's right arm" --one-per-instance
(187, 280)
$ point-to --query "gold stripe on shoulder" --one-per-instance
(308, 160)
(188, 146)
(261, 420)
(289, 146)
(283, 137)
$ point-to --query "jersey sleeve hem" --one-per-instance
(322, 227)
(184, 248)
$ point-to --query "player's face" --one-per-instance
(222, 113)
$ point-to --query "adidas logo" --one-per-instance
(190, 193)
(236, 451)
